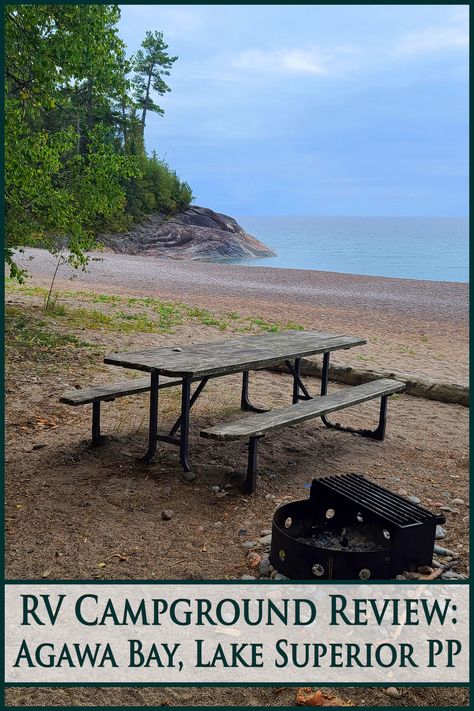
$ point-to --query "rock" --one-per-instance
(270, 497)
(249, 544)
(442, 551)
(414, 499)
(266, 532)
(195, 233)
(253, 559)
(165, 490)
(265, 567)
(449, 508)
(440, 532)
(456, 502)
(266, 540)
(392, 692)
(403, 492)
(215, 488)
(248, 577)
(167, 515)
(412, 576)
(280, 576)
(242, 532)
(425, 569)
(452, 575)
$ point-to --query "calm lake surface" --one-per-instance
(407, 247)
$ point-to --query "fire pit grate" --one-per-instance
(351, 528)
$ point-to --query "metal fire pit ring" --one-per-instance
(400, 534)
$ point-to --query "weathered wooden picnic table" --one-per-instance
(201, 361)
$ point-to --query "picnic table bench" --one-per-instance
(200, 362)
(255, 427)
(108, 393)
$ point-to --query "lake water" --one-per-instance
(408, 247)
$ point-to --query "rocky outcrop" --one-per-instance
(196, 233)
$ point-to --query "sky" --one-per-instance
(314, 109)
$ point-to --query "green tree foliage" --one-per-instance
(75, 162)
(151, 63)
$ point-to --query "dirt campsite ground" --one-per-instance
(73, 512)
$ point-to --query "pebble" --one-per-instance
(265, 567)
(425, 569)
(280, 576)
(266, 532)
(218, 524)
(253, 559)
(248, 577)
(436, 563)
(392, 692)
(242, 532)
(167, 515)
(449, 508)
(270, 497)
(403, 492)
(165, 490)
(457, 502)
(266, 540)
(249, 544)
(394, 478)
(440, 532)
(215, 488)
(442, 551)
(414, 499)
(451, 575)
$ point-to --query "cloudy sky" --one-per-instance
(314, 110)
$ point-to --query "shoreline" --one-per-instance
(213, 283)
(230, 263)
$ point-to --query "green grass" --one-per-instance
(25, 333)
(155, 316)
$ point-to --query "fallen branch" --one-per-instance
(439, 571)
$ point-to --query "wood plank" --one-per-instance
(111, 391)
(258, 424)
(233, 355)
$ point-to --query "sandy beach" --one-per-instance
(410, 326)
(413, 326)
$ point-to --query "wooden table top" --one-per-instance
(233, 355)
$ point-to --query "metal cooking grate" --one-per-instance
(379, 501)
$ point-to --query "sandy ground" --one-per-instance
(71, 508)
(412, 326)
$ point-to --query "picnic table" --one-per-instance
(201, 361)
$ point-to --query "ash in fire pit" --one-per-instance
(356, 537)
(350, 528)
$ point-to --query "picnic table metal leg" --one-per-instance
(250, 483)
(296, 387)
(325, 374)
(193, 399)
(245, 403)
(96, 436)
(184, 424)
(153, 425)
(378, 433)
(298, 384)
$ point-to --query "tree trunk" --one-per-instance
(147, 96)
